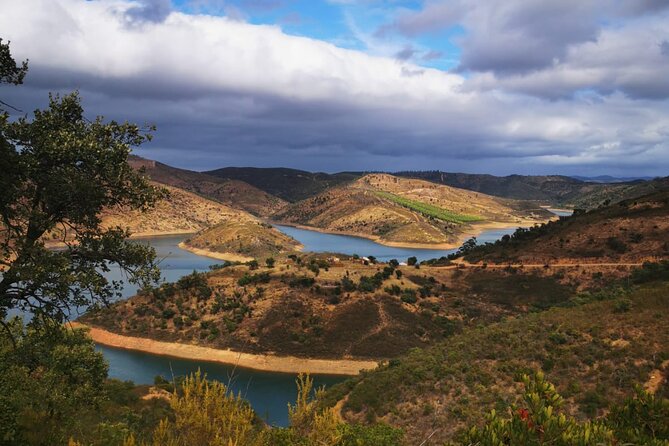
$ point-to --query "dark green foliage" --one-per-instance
(10, 71)
(59, 171)
(301, 282)
(642, 419)
(622, 305)
(370, 284)
(218, 266)
(650, 272)
(195, 283)
(270, 262)
(616, 245)
(409, 296)
(376, 435)
(250, 279)
(347, 284)
(411, 261)
(50, 380)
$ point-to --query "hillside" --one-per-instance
(319, 307)
(556, 190)
(629, 231)
(234, 193)
(289, 184)
(242, 236)
(614, 193)
(594, 354)
(181, 212)
(399, 211)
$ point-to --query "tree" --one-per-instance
(60, 171)
(10, 72)
(411, 261)
(270, 262)
(51, 384)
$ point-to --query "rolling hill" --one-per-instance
(595, 353)
(629, 231)
(556, 190)
(400, 211)
(288, 184)
(181, 212)
(234, 193)
(242, 238)
(316, 306)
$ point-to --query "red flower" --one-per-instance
(524, 414)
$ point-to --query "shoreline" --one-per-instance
(261, 362)
(475, 230)
(227, 256)
(134, 236)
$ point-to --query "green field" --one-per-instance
(428, 210)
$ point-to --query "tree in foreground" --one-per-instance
(60, 171)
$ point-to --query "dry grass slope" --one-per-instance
(375, 206)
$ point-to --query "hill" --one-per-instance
(629, 231)
(400, 211)
(318, 306)
(288, 184)
(234, 193)
(594, 353)
(614, 193)
(556, 190)
(241, 238)
(181, 212)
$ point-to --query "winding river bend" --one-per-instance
(269, 393)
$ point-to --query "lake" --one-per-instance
(314, 241)
(269, 393)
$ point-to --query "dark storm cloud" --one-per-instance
(154, 11)
(228, 93)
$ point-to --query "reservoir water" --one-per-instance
(314, 241)
(269, 393)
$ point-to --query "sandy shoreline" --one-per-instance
(268, 363)
(230, 257)
(474, 230)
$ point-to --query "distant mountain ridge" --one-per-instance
(610, 179)
(288, 184)
(234, 193)
(266, 191)
(554, 189)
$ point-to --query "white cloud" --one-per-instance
(245, 93)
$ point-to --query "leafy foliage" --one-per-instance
(537, 421)
(50, 380)
(60, 171)
(10, 71)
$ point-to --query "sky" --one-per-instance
(574, 87)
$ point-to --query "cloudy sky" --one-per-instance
(494, 86)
